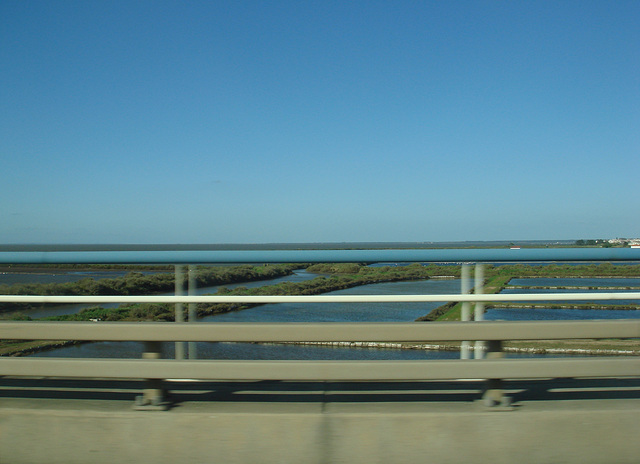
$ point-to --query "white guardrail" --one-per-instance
(322, 298)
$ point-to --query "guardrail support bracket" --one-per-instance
(493, 396)
(153, 397)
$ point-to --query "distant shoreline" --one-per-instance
(284, 246)
(633, 351)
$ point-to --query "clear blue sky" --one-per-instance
(321, 121)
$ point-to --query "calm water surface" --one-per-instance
(314, 312)
(350, 312)
(557, 314)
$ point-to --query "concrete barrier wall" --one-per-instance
(65, 432)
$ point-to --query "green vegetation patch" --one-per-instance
(136, 283)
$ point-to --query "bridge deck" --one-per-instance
(553, 420)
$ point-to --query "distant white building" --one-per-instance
(632, 242)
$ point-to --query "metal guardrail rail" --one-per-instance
(494, 368)
(153, 368)
(322, 370)
(322, 298)
(319, 331)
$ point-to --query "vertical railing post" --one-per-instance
(493, 395)
(153, 396)
(479, 308)
(193, 314)
(465, 313)
(179, 286)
